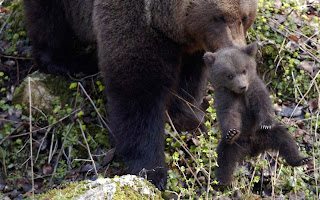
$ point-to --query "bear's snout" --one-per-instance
(240, 84)
(243, 88)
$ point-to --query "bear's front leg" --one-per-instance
(140, 67)
(136, 119)
(185, 106)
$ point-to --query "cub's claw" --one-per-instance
(232, 135)
(266, 124)
(305, 160)
(265, 127)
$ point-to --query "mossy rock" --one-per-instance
(117, 188)
(45, 89)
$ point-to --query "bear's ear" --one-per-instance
(251, 49)
(209, 58)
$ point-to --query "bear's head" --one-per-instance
(216, 24)
(232, 68)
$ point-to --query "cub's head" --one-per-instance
(232, 68)
(216, 24)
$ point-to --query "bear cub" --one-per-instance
(244, 112)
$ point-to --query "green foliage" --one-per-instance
(192, 160)
(14, 29)
(280, 60)
(62, 128)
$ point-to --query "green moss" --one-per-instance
(45, 89)
(127, 187)
(18, 94)
(127, 191)
(70, 191)
(58, 85)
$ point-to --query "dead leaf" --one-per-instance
(195, 141)
(300, 124)
(313, 105)
(286, 103)
(280, 18)
(299, 133)
(292, 45)
(293, 37)
(47, 169)
(307, 139)
(306, 65)
(5, 10)
(309, 66)
(277, 108)
(278, 4)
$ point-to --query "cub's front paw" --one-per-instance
(232, 135)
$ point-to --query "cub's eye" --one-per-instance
(244, 72)
(219, 19)
(230, 76)
(244, 19)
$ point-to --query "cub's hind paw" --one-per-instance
(305, 160)
(300, 161)
(232, 135)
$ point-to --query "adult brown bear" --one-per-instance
(146, 50)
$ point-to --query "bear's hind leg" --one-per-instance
(278, 138)
(228, 157)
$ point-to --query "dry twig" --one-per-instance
(30, 124)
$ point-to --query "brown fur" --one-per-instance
(146, 49)
(244, 112)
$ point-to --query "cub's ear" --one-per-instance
(251, 49)
(209, 58)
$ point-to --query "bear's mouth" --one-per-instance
(241, 90)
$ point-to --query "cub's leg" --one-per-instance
(229, 114)
(191, 88)
(279, 139)
(260, 103)
(228, 157)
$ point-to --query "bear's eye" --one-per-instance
(244, 19)
(219, 19)
(244, 71)
(230, 76)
